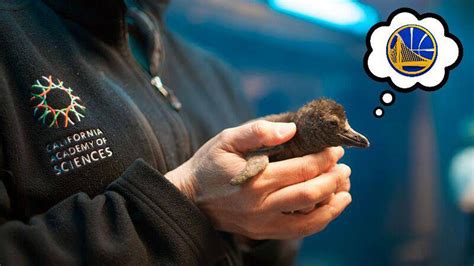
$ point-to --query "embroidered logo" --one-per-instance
(54, 104)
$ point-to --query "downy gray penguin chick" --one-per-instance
(320, 124)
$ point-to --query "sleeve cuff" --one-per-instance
(272, 252)
(149, 186)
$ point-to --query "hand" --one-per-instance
(263, 208)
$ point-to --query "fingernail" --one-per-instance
(336, 153)
(345, 168)
(339, 151)
(348, 198)
(285, 128)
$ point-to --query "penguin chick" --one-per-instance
(320, 124)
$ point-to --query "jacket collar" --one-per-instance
(104, 18)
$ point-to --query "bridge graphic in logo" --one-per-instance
(411, 50)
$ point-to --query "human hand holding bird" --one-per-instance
(289, 198)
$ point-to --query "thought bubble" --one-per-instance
(411, 50)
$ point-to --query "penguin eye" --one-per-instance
(333, 123)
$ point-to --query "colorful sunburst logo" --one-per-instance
(54, 104)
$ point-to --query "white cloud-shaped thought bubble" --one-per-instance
(412, 52)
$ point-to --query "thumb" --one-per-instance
(259, 134)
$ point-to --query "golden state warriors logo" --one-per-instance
(411, 50)
(54, 104)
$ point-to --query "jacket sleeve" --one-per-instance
(141, 218)
(271, 252)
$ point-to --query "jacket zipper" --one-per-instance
(167, 93)
(171, 98)
(161, 155)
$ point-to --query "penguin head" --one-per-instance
(324, 123)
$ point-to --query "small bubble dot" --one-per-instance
(378, 112)
(387, 98)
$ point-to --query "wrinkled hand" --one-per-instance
(289, 199)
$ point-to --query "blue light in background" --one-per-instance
(346, 15)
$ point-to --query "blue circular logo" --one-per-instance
(411, 50)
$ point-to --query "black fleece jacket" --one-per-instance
(85, 138)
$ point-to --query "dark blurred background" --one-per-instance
(410, 188)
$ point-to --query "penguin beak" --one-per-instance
(352, 138)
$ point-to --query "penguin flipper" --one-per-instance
(256, 163)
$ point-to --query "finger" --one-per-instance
(326, 201)
(302, 225)
(306, 210)
(317, 205)
(345, 184)
(258, 134)
(296, 170)
(318, 219)
(307, 194)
